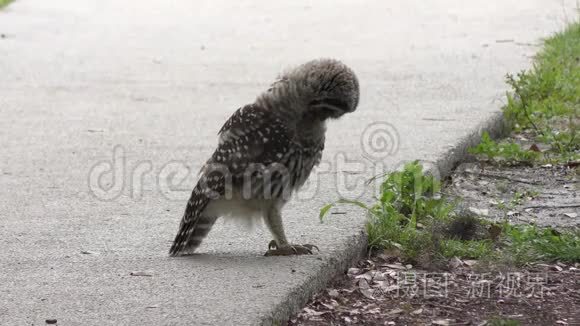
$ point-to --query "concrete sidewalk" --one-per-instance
(142, 87)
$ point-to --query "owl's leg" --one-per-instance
(280, 246)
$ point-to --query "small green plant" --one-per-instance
(406, 207)
(508, 153)
(410, 216)
(497, 321)
(545, 103)
(519, 197)
(4, 3)
(473, 249)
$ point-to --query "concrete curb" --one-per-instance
(355, 249)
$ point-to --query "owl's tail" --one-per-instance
(194, 225)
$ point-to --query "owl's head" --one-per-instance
(329, 88)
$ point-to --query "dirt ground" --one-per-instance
(544, 195)
(380, 291)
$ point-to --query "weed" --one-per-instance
(426, 229)
(507, 153)
(545, 102)
(473, 249)
(497, 321)
(525, 244)
(406, 210)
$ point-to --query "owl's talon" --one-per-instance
(311, 246)
(289, 250)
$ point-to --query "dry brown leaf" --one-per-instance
(333, 293)
(455, 262)
(394, 266)
(416, 312)
(442, 322)
(312, 312)
(395, 311)
(353, 271)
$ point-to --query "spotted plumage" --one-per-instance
(266, 151)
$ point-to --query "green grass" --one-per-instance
(472, 249)
(507, 153)
(4, 3)
(405, 212)
(503, 322)
(544, 102)
(524, 244)
(410, 217)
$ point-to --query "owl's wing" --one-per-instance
(252, 135)
(254, 145)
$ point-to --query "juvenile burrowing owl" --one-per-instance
(266, 151)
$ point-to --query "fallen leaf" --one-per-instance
(367, 276)
(312, 312)
(479, 211)
(394, 266)
(557, 268)
(416, 312)
(395, 311)
(535, 148)
(442, 322)
(363, 284)
(329, 307)
(374, 311)
(377, 277)
(390, 288)
(470, 262)
(455, 262)
(365, 289)
(353, 271)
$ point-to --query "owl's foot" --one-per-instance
(290, 249)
